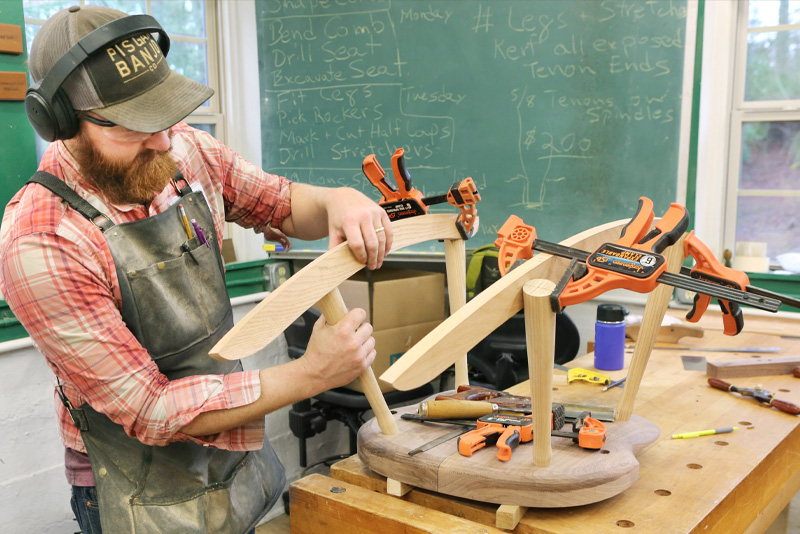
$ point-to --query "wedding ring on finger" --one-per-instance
(378, 230)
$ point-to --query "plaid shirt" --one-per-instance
(59, 279)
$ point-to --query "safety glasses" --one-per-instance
(116, 132)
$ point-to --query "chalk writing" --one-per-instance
(547, 105)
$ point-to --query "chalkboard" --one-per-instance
(563, 112)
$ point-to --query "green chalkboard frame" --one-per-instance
(552, 124)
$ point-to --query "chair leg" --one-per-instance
(303, 458)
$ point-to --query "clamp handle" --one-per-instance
(592, 434)
(464, 195)
(401, 175)
(515, 240)
(636, 229)
(507, 442)
(668, 230)
(377, 177)
(477, 439)
(709, 269)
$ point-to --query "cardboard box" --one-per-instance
(390, 345)
(396, 297)
(402, 306)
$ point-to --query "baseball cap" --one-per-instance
(127, 82)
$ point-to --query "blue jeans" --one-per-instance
(84, 506)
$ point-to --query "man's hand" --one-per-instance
(364, 224)
(337, 354)
(341, 214)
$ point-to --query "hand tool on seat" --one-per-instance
(503, 400)
(438, 441)
(464, 408)
(758, 393)
(632, 262)
(505, 432)
(587, 432)
(404, 200)
(465, 424)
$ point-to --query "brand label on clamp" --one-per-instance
(714, 280)
(627, 261)
(402, 209)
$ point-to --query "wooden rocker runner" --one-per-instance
(318, 283)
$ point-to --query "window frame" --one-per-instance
(742, 112)
(205, 115)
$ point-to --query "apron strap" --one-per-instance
(72, 198)
(77, 415)
(186, 189)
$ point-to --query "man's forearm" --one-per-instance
(309, 217)
(281, 386)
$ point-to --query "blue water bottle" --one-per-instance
(609, 338)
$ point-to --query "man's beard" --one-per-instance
(137, 182)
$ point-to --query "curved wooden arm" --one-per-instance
(306, 287)
(482, 315)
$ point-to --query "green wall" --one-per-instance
(17, 141)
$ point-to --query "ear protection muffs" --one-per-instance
(49, 110)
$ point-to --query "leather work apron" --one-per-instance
(175, 302)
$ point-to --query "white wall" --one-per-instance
(241, 101)
(34, 495)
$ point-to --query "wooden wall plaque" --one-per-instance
(13, 85)
(10, 38)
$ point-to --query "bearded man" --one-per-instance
(124, 298)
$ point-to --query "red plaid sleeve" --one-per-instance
(59, 279)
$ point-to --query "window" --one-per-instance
(763, 188)
(190, 25)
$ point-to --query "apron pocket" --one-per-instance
(178, 300)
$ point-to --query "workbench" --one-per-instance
(727, 483)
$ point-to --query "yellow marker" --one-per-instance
(687, 435)
(185, 221)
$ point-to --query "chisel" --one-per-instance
(440, 409)
(438, 441)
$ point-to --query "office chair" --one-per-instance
(501, 359)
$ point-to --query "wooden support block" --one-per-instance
(397, 488)
(667, 334)
(509, 515)
(321, 504)
(752, 367)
